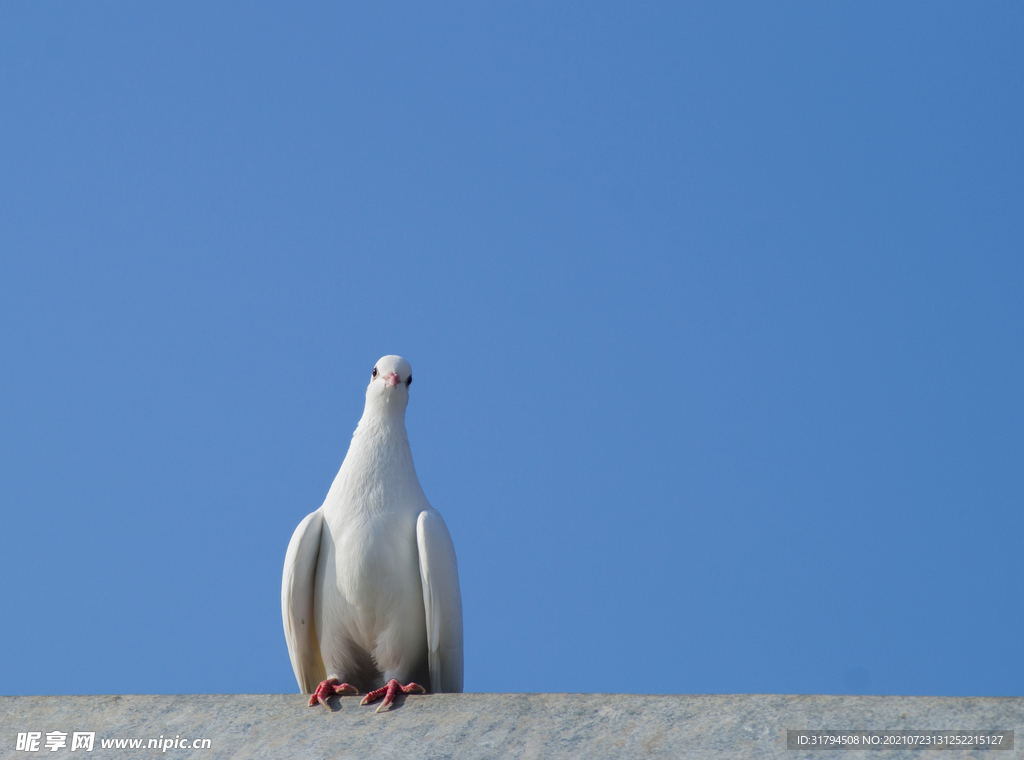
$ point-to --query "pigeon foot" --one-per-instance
(389, 691)
(329, 688)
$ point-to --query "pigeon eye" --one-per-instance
(408, 382)
(374, 372)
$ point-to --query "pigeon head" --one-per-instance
(390, 381)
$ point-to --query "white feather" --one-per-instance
(442, 601)
(297, 602)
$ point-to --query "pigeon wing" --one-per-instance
(297, 602)
(442, 601)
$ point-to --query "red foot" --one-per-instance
(329, 688)
(389, 691)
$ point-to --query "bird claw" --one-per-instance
(389, 691)
(329, 688)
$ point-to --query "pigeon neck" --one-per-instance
(378, 472)
(382, 424)
(379, 457)
(390, 426)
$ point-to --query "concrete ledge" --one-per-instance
(498, 725)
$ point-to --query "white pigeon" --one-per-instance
(370, 595)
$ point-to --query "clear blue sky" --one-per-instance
(715, 314)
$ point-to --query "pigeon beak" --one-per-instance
(391, 379)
